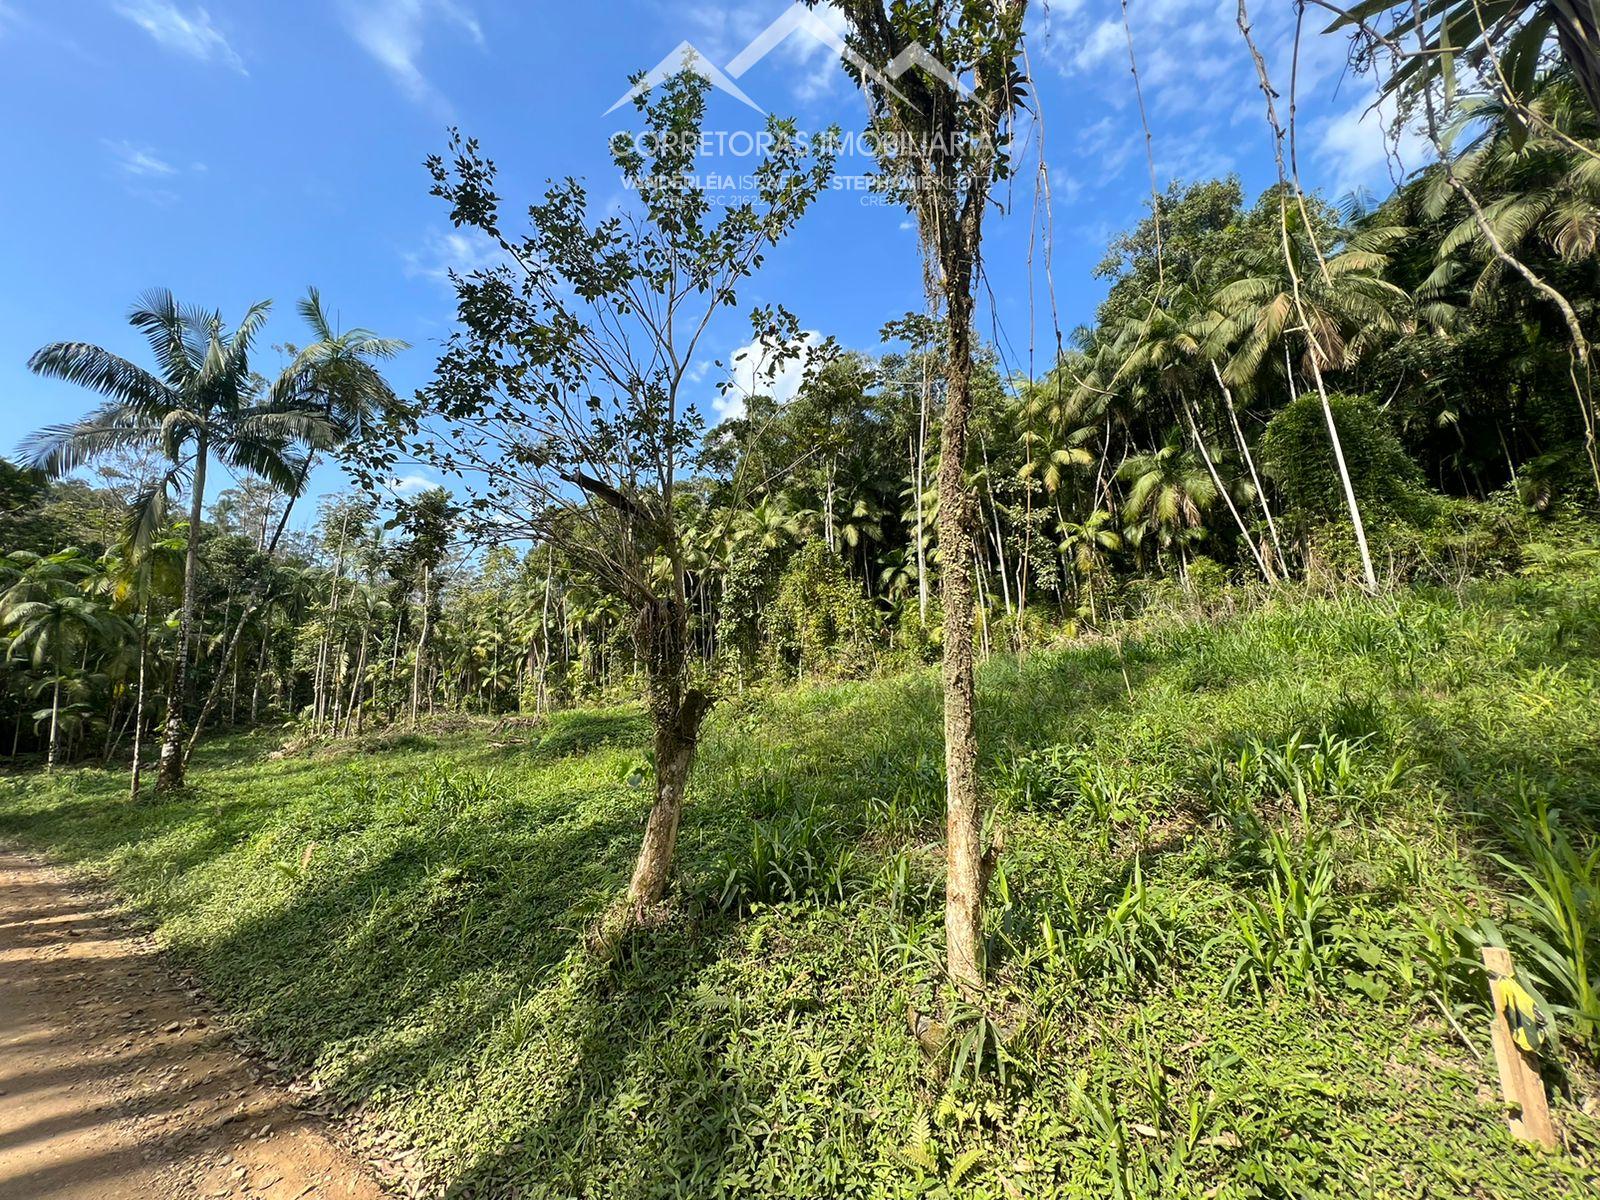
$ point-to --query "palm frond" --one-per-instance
(100, 370)
(165, 325)
(61, 449)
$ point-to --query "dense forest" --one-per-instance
(1200, 706)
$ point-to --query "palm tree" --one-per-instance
(334, 378)
(203, 403)
(769, 524)
(1171, 347)
(1540, 187)
(920, 515)
(1080, 402)
(1349, 304)
(31, 576)
(898, 577)
(1168, 497)
(855, 523)
(1512, 34)
(1050, 463)
(1087, 545)
(1539, 200)
(48, 630)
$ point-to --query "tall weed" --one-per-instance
(1555, 920)
(795, 855)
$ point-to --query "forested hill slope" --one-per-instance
(1247, 865)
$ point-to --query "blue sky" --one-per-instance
(238, 151)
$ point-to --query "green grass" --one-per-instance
(1233, 915)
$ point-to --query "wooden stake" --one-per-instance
(1520, 1084)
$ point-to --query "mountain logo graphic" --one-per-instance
(797, 18)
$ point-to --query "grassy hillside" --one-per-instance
(1246, 866)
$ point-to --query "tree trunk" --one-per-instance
(337, 661)
(55, 713)
(1250, 461)
(1024, 561)
(544, 634)
(999, 539)
(393, 704)
(827, 507)
(921, 547)
(676, 714)
(112, 735)
(261, 670)
(256, 593)
(674, 751)
(964, 878)
(1222, 490)
(170, 775)
(355, 710)
(1371, 576)
(326, 682)
(983, 615)
(422, 645)
(233, 702)
(138, 708)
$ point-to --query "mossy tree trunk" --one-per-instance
(964, 883)
(676, 713)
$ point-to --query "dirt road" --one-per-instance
(116, 1085)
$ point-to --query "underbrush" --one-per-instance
(1233, 940)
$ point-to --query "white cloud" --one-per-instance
(145, 174)
(1355, 149)
(184, 32)
(820, 65)
(723, 32)
(1096, 138)
(140, 161)
(393, 33)
(1323, 59)
(460, 250)
(1197, 80)
(1109, 145)
(1104, 41)
(752, 371)
(1098, 235)
(410, 485)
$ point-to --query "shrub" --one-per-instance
(1413, 531)
(820, 623)
(1298, 456)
